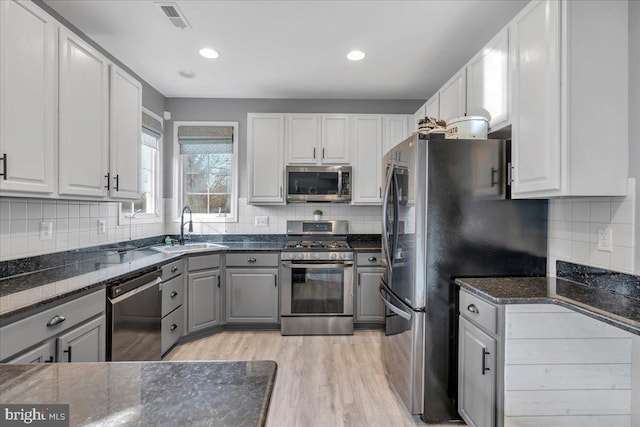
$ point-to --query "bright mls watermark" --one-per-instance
(55, 415)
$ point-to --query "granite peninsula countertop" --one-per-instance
(616, 309)
(212, 393)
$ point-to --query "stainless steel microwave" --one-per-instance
(319, 184)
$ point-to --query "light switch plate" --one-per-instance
(605, 238)
(102, 226)
(46, 230)
(261, 221)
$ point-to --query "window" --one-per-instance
(147, 208)
(208, 165)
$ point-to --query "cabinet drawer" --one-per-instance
(172, 329)
(24, 333)
(172, 269)
(369, 259)
(478, 311)
(252, 259)
(203, 262)
(172, 294)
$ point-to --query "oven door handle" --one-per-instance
(392, 307)
(333, 265)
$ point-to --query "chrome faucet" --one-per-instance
(182, 224)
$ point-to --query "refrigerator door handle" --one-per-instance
(385, 230)
(396, 310)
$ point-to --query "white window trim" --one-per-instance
(126, 219)
(178, 166)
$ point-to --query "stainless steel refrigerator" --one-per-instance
(446, 214)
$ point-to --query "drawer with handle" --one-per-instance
(203, 262)
(29, 331)
(172, 294)
(172, 329)
(369, 259)
(172, 269)
(480, 312)
(252, 259)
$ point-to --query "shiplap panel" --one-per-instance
(562, 421)
(536, 308)
(559, 325)
(561, 402)
(568, 377)
(567, 351)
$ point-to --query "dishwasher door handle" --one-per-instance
(132, 292)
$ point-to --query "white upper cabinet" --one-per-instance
(453, 97)
(563, 78)
(335, 139)
(432, 107)
(317, 139)
(488, 82)
(83, 119)
(265, 158)
(367, 167)
(28, 85)
(395, 128)
(125, 135)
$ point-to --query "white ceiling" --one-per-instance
(294, 49)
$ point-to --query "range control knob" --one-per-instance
(334, 256)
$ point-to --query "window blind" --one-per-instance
(205, 139)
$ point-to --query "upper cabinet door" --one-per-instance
(453, 97)
(335, 139)
(488, 82)
(432, 107)
(265, 158)
(395, 130)
(535, 62)
(125, 135)
(83, 118)
(28, 70)
(367, 179)
(421, 113)
(303, 138)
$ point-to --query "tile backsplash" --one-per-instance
(573, 231)
(75, 225)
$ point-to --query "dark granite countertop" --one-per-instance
(614, 308)
(147, 393)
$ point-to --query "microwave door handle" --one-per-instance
(385, 203)
(339, 182)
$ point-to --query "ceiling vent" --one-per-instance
(173, 13)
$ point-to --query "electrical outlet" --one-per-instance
(605, 238)
(102, 226)
(261, 221)
(46, 230)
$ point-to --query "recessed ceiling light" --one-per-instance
(209, 53)
(355, 55)
(187, 74)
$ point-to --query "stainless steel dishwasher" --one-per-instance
(134, 310)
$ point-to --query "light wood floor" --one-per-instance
(321, 380)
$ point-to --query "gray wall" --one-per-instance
(183, 109)
(151, 98)
(634, 114)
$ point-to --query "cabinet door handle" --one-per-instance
(485, 353)
(251, 259)
(494, 172)
(173, 294)
(4, 167)
(117, 179)
(323, 152)
(108, 178)
(50, 360)
(314, 153)
(68, 350)
(173, 327)
(275, 281)
(218, 281)
(57, 319)
(174, 269)
(472, 308)
(372, 259)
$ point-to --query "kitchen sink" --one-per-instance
(189, 247)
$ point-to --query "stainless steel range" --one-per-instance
(317, 272)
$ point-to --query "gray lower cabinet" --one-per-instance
(44, 353)
(369, 307)
(203, 291)
(84, 343)
(252, 295)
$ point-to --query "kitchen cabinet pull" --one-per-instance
(509, 173)
(4, 167)
(494, 171)
(174, 268)
(251, 259)
(108, 177)
(117, 178)
(472, 308)
(68, 350)
(275, 281)
(50, 360)
(485, 353)
(56, 320)
(380, 192)
(314, 153)
(323, 152)
(173, 327)
(372, 259)
(173, 294)
(218, 281)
